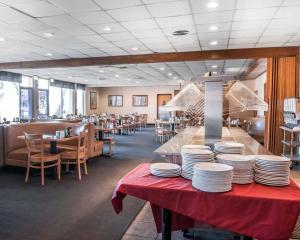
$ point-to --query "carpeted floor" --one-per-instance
(71, 209)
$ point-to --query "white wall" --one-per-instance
(127, 93)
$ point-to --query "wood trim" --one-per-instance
(246, 53)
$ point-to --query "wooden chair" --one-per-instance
(138, 122)
(38, 158)
(77, 156)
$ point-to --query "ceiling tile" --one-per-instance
(95, 38)
(288, 12)
(280, 39)
(103, 28)
(9, 15)
(169, 9)
(254, 14)
(39, 9)
(213, 17)
(59, 21)
(140, 24)
(201, 6)
(179, 21)
(111, 4)
(129, 14)
(246, 4)
(118, 36)
(284, 23)
(205, 28)
(249, 25)
(97, 17)
(291, 3)
(72, 6)
(213, 36)
(280, 32)
(150, 33)
(243, 40)
(246, 34)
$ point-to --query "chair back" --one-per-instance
(34, 143)
(82, 142)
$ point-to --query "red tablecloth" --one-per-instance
(262, 212)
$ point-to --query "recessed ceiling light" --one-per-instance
(214, 73)
(106, 28)
(170, 74)
(162, 69)
(49, 54)
(213, 28)
(101, 71)
(128, 79)
(134, 49)
(86, 80)
(35, 77)
(70, 77)
(137, 82)
(117, 75)
(213, 43)
(48, 34)
(51, 80)
(2, 39)
(212, 4)
(175, 78)
(180, 32)
(214, 66)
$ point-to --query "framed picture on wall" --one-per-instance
(115, 100)
(140, 100)
(93, 100)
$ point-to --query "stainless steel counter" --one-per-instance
(195, 135)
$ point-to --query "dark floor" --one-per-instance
(72, 209)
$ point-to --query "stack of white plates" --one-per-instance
(190, 156)
(195, 147)
(229, 147)
(212, 177)
(242, 166)
(165, 169)
(272, 170)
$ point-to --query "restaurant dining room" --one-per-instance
(149, 119)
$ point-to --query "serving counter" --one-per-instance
(195, 135)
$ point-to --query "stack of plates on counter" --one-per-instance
(165, 169)
(212, 177)
(242, 166)
(195, 147)
(191, 156)
(272, 170)
(229, 147)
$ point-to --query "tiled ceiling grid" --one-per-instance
(55, 29)
(171, 73)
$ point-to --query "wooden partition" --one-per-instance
(282, 82)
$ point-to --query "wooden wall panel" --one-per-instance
(282, 82)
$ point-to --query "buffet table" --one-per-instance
(254, 210)
(195, 135)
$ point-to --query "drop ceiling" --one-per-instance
(59, 29)
(156, 74)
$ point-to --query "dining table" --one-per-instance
(53, 140)
(252, 210)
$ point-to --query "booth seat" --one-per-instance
(15, 148)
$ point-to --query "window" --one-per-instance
(9, 100)
(26, 82)
(115, 100)
(26, 103)
(68, 101)
(43, 102)
(55, 102)
(80, 97)
(43, 83)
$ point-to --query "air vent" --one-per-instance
(180, 32)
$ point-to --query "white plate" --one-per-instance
(213, 167)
